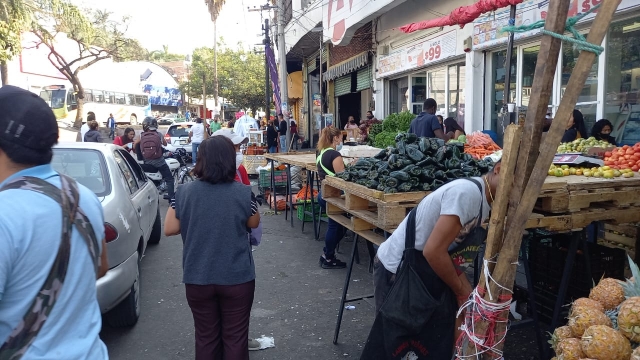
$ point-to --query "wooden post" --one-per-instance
(543, 84)
(505, 269)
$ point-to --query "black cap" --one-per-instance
(26, 120)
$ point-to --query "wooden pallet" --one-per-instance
(576, 193)
(376, 196)
(359, 227)
(579, 220)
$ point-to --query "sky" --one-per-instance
(184, 25)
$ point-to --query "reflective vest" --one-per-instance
(319, 162)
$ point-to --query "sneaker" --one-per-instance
(332, 263)
(254, 345)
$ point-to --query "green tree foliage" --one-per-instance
(97, 35)
(15, 16)
(164, 55)
(240, 76)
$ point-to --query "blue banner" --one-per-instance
(273, 73)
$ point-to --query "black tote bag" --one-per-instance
(417, 319)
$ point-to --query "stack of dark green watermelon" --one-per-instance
(414, 164)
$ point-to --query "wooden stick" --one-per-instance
(538, 104)
(512, 136)
(504, 272)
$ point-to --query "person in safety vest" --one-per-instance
(329, 162)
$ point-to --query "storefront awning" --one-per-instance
(346, 67)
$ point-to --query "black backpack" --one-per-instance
(150, 145)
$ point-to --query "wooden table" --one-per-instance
(301, 160)
(565, 204)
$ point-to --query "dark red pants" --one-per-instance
(221, 318)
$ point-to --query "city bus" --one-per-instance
(127, 108)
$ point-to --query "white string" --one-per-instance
(476, 304)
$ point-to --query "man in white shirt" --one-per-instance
(196, 136)
(85, 125)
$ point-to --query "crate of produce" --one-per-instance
(304, 210)
(279, 176)
(547, 260)
(252, 162)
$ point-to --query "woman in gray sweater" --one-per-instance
(219, 272)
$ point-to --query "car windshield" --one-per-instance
(85, 166)
(179, 131)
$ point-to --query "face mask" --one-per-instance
(369, 117)
(339, 147)
(238, 159)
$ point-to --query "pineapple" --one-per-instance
(602, 342)
(629, 318)
(636, 354)
(608, 292)
(559, 334)
(569, 349)
(582, 317)
(631, 288)
(588, 302)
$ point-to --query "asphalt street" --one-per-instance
(296, 302)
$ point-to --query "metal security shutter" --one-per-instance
(311, 65)
(342, 85)
(364, 79)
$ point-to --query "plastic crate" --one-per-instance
(547, 259)
(280, 177)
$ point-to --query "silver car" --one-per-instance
(131, 216)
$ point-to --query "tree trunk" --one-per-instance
(78, 122)
(4, 73)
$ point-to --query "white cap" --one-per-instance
(235, 138)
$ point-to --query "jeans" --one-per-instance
(162, 166)
(273, 149)
(335, 233)
(221, 319)
(194, 151)
(283, 143)
(112, 133)
(295, 138)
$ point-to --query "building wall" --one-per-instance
(362, 41)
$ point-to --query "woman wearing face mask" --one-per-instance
(125, 139)
(329, 162)
(351, 124)
(602, 131)
(370, 116)
(575, 127)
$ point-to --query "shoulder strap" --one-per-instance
(481, 200)
(410, 233)
(319, 162)
(33, 321)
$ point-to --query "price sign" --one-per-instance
(434, 51)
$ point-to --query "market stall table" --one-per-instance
(296, 159)
(565, 204)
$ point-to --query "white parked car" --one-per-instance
(177, 136)
(131, 215)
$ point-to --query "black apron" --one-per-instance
(417, 319)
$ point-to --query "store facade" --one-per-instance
(426, 64)
(469, 86)
(612, 89)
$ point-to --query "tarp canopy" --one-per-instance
(244, 124)
(460, 16)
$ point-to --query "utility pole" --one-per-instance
(267, 92)
(282, 55)
(215, 66)
(204, 95)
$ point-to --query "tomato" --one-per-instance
(607, 162)
(627, 157)
(635, 168)
(631, 163)
(635, 157)
(625, 166)
(625, 147)
(607, 154)
(629, 152)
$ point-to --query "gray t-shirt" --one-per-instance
(213, 226)
(460, 197)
